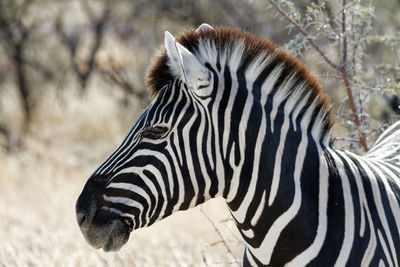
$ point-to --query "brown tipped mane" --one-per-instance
(159, 73)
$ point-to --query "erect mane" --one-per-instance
(253, 47)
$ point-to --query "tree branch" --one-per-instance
(306, 35)
(83, 71)
(38, 67)
(17, 39)
(344, 71)
(4, 131)
(341, 69)
(219, 234)
(115, 77)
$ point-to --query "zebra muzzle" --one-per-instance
(100, 227)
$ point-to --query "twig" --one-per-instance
(219, 234)
(346, 81)
(306, 35)
(37, 66)
(4, 131)
(203, 257)
(83, 71)
(17, 40)
(341, 69)
(115, 76)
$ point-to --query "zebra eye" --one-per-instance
(154, 132)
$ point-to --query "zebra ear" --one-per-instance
(186, 65)
(172, 53)
(204, 27)
(197, 76)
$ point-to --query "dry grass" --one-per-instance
(40, 184)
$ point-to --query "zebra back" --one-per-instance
(387, 146)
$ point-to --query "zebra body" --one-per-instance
(234, 116)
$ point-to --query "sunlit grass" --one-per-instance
(40, 183)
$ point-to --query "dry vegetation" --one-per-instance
(40, 184)
(83, 65)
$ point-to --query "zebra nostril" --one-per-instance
(85, 209)
(81, 218)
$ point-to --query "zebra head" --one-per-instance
(222, 103)
(161, 166)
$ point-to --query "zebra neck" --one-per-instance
(267, 189)
(277, 137)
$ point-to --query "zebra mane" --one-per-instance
(244, 51)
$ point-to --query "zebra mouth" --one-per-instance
(111, 237)
(117, 237)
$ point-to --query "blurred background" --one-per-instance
(72, 79)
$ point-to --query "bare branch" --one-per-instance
(341, 69)
(116, 76)
(85, 69)
(344, 36)
(4, 131)
(306, 35)
(99, 25)
(37, 66)
(219, 234)
(17, 40)
(203, 257)
(346, 81)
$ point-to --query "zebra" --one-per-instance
(237, 117)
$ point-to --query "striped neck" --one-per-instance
(273, 139)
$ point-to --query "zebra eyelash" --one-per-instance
(154, 132)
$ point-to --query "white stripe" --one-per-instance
(125, 201)
(241, 145)
(228, 112)
(378, 202)
(249, 233)
(392, 199)
(241, 213)
(236, 54)
(385, 248)
(250, 258)
(384, 135)
(202, 157)
(139, 171)
(279, 97)
(187, 148)
(179, 178)
(348, 214)
(372, 244)
(289, 105)
(259, 211)
(360, 188)
(134, 188)
(257, 66)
